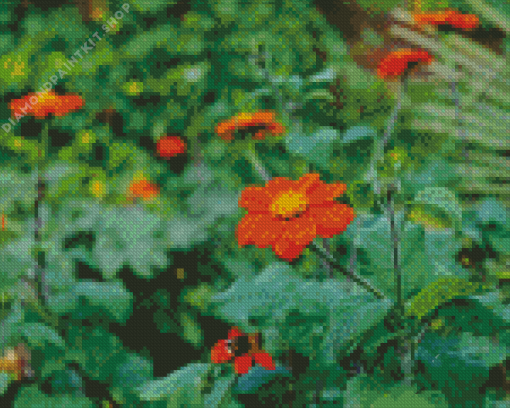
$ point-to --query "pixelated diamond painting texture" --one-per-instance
(254, 203)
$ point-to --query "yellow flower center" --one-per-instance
(289, 204)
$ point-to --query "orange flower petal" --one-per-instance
(170, 146)
(279, 184)
(255, 199)
(324, 193)
(331, 220)
(247, 228)
(395, 63)
(298, 233)
(220, 353)
(308, 182)
(243, 364)
(462, 21)
(258, 229)
(265, 360)
(235, 332)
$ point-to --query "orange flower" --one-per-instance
(263, 119)
(396, 63)
(244, 349)
(451, 17)
(288, 214)
(45, 104)
(170, 146)
(142, 188)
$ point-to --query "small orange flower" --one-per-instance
(396, 63)
(451, 17)
(263, 119)
(46, 103)
(170, 146)
(142, 188)
(288, 214)
(244, 349)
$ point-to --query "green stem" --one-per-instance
(377, 156)
(251, 156)
(351, 274)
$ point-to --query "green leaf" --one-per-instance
(134, 371)
(192, 332)
(257, 377)
(5, 380)
(150, 6)
(136, 244)
(39, 334)
(32, 396)
(220, 390)
(438, 292)
(98, 352)
(111, 296)
(355, 133)
(490, 210)
(466, 358)
(16, 260)
(317, 148)
(424, 255)
(180, 388)
(305, 313)
(439, 202)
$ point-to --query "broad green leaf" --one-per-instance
(438, 292)
(134, 371)
(499, 241)
(111, 296)
(149, 6)
(257, 377)
(356, 133)
(192, 332)
(468, 360)
(32, 396)
(182, 387)
(220, 391)
(17, 188)
(439, 202)
(317, 148)
(16, 260)
(306, 314)
(404, 398)
(99, 352)
(39, 334)
(136, 244)
(490, 210)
